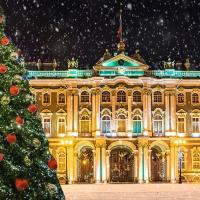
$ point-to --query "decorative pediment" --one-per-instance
(120, 65)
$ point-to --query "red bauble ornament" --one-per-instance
(19, 120)
(21, 184)
(11, 138)
(32, 108)
(3, 69)
(14, 90)
(1, 156)
(5, 41)
(1, 18)
(52, 164)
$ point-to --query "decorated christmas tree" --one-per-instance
(27, 169)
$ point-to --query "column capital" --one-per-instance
(143, 142)
(146, 91)
(170, 92)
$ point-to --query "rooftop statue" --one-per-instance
(138, 57)
(72, 64)
(187, 64)
(169, 64)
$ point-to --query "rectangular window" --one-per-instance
(181, 125)
(137, 127)
(47, 125)
(61, 98)
(157, 127)
(195, 125)
(105, 126)
(61, 125)
(121, 125)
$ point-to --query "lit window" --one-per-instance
(46, 98)
(85, 124)
(181, 125)
(61, 162)
(195, 98)
(85, 97)
(137, 96)
(61, 98)
(121, 96)
(121, 123)
(158, 125)
(106, 96)
(105, 124)
(181, 98)
(137, 125)
(196, 159)
(195, 124)
(47, 125)
(61, 125)
(157, 97)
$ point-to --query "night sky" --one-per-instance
(63, 29)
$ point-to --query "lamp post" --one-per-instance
(67, 143)
(179, 143)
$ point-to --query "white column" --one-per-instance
(69, 112)
(170, 113)
(173, 160)
(75, 168)
(150, 164)
(108, 165)
(140, 162)
(94, 165)
(130, 132)
(135, 165)
(93, 112)
(168, 164)
(70, 163)
(167, 119)
(114, 111)
(103, 153)
(98, 178)
(147, 112)
(146, 162)
(98, 120)
(173, 112)
(75, 120)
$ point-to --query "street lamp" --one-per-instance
(179, 143)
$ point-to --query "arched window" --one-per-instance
(158, 125)
(61, 125)
(121, 123)
(196, 159)
(195, 124)
(137, 96)
(137, 125)
(180, 125)
(121, 96)
(106, 96)
(85, 125)
(181, 98)
(61, 159)
(61, 98)
(105, 124)
(46, 98)
(157, 96)
(85, 97)
(195, 98)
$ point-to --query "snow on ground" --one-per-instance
(132, 192)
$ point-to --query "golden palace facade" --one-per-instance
(120, 121)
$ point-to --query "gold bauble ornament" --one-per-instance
(27, 161)
(52, 188)
(5, 100)
(14, 56)
(36, 143)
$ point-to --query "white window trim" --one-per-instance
(136, 103)
(195, 104)
(162, 97)
(181, 92)
(90, 98)
(58, 93)
(46, 104)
